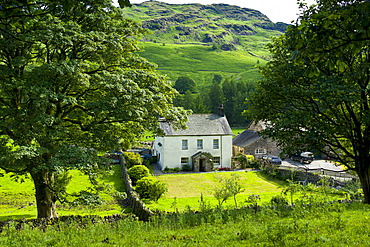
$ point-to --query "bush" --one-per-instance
(171, 170)
(87, 198)
(150, 188)
(279, 200)
(186, 168)
(132, 159)
(137, 172)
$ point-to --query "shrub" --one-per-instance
(279, 200)
(132, 159)
(171, 170)
(87, 198)
(150, 188)
(186, 168)
(137, 172)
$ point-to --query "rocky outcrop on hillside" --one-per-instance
(219, 24)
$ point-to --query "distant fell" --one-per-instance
(231, 40)
(221, 24)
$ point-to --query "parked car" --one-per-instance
(303, 158)
(272, 159)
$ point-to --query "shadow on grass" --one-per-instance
(277, 182)
(16, 217)
(115, 178)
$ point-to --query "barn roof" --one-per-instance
(200, 125)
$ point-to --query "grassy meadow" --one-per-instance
(186, 190)
(339, 225)
(200, 62)
(18, 198)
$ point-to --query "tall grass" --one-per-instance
(322, 225)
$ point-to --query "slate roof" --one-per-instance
(200, 125)
(245, 138)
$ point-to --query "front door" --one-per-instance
(202, 164)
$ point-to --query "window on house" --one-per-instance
(215, 143)
(200, 144)
(184, 161)
(260, 151)
(216, 161)
(184, 144)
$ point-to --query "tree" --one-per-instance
(234, 187)
(315, 90)
(72, 85)
(229, 187)
(215, 97)
(229, 93)
(183, 84)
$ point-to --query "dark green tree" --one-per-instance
(229, 93)
(200, 103)
(215, 97)
(183, 84)
(217, 78)
(315, 90)
(71, 85)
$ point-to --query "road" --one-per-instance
(315, 165)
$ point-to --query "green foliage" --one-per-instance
(72, 84)
(279, 201)
(137, 172)
(229, 187)
(322, 225)
(186, 168)
(183, 84)
(87, 198)
(292, 189)
(18, 199)
(171, 170)
(132, 159)
(150, 188)
(314, 93)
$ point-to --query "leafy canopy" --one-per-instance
(315, 91)
(72, 84)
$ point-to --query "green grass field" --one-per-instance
(189, 188)
(200, 62)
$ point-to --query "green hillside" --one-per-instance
(201, 62)
(198, 41)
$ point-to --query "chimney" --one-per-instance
(221, 111)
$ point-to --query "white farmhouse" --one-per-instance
(205, 144)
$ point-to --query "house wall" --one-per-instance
(170, 152)
(267, 144)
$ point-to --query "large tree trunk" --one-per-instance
(364, 176)
(45, 197)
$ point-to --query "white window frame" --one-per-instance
(218, 159)
(184, 144)
(260, 151)
(183, 159)
(200, 144)
(216, 143)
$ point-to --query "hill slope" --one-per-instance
(205, 39)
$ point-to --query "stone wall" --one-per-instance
(262, 143)
(133, 200)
